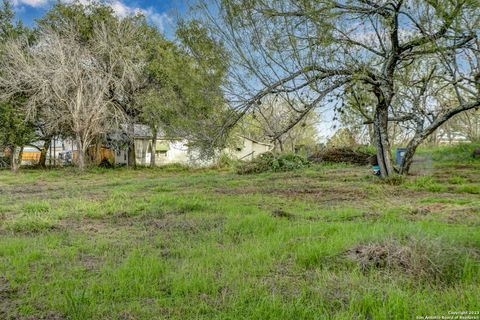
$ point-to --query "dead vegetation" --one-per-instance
(431, 260)
(280, 213)
(343, 155)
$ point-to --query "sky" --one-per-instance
(161, 13)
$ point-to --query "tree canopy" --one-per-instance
(88, 72)
(316, 51)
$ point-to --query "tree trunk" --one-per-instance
(81, 159)
(81, 154)
(381, 141)
(408, 157)
(13, 165)
(154, 148)
(132, 160)
(43, 152)
(280, 144)
(16, 161)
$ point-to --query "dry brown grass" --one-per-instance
(431, 260)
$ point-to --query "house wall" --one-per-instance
(249, 149)
(121, 157)
(179, 152)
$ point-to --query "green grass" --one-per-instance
(324, 242)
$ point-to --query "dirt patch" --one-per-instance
(48, 316)
(190, 225)
(90, 262)
(8, 301)
(280, 213)
(238, 191)
(324, 195)
(447, 213)
(467, 215)
(429, 208)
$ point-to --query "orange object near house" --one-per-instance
(31, 156)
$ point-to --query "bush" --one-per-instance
(272, 162)
(225, 161)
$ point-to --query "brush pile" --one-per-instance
(346, 155)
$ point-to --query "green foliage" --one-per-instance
(15, 129)
(343, 138)
(272, 162)
(461, 152)
(457, 180)
(85, 18)
(8, 28)
(36, 207)
(226, 161)
(469, 188)
(183, 97)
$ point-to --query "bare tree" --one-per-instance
(270, 118)
(61, 73)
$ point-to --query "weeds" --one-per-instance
(430, 260)
(426, 183)
(324, 241)
(271, 162)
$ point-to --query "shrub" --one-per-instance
(225, 161)
(272, 162)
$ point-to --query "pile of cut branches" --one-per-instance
(347, 155)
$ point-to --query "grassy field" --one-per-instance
(327, 242)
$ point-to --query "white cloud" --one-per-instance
(159, 19)
(32, 3)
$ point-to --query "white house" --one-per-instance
(248, 149)
(169, 150)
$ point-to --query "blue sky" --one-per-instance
(161, 13)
